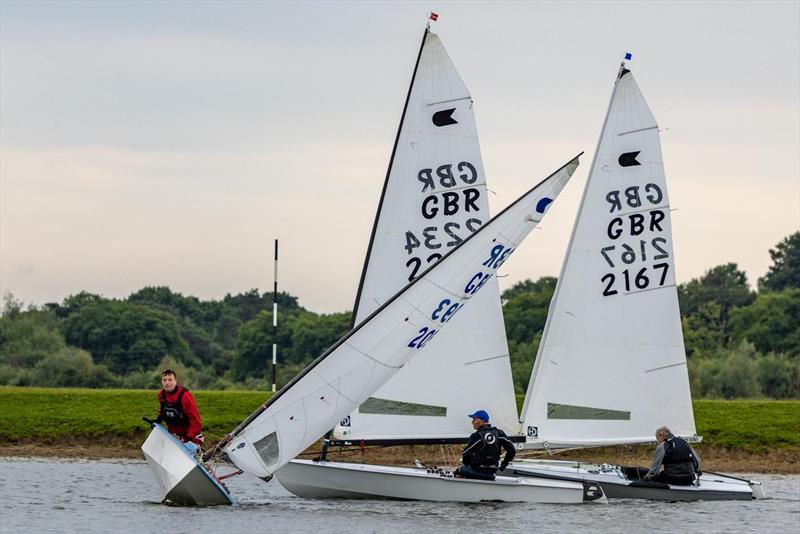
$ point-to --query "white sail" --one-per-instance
(372, 352)
(611, 366)
(434, 196)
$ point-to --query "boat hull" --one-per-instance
(183, 479)
(309, 479)
(615, 486)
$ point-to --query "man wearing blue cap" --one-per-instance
(481, 456)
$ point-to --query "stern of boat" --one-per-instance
(183, 479)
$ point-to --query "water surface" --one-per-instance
(121, 496)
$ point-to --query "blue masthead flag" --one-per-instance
(628, 56)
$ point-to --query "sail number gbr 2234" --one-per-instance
(637, 251)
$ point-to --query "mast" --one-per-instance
(275, 320)
(386, 180)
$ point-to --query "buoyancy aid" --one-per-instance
(172, 412)
(486, 452)
(679, 459)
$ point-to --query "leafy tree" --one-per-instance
(251, 303)
(523, 355)
(738, 375)
(771, 323)
(702, 332)
(785, 270)
(301, 337)
(253, 352)
(71, 367)
(704, 376)
(125, 336)
(74, 303)
(164, 297)
(11, 306)
(544, 285)
(779, 376)
(724, 285)
(525, 309)
(28, 337)
(313, 334)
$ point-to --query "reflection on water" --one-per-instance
(120, 496)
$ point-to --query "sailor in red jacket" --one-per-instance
(178, 409)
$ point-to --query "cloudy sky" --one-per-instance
(169, 143)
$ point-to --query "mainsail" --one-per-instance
(434, 196)
(364, 359)
(611, 366)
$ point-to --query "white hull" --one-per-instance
(183, 479)
(309, 479)
(615, 485)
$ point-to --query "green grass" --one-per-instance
(53, 414)
(43, 413)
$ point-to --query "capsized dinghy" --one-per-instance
(611, 365)
(184, 480)
(310, 479)
(623, 482)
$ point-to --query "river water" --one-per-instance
(121, 496)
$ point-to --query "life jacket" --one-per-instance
(679, 459)
(172, 412)
(488, 454)
(676, 451)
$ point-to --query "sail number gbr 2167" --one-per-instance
(637, 253)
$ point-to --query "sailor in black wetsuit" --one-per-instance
(481, 456)
(681, 463)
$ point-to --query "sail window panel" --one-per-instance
(268, 449)
(569, 411)
(378, 406)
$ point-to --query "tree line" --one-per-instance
(740, 342)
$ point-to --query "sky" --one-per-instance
(170, 143)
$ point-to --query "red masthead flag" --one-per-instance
(434, 16)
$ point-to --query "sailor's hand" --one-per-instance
(503, 466)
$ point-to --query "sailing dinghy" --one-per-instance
(611, 365)
(434, 195)
(183, 479)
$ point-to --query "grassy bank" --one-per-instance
(91, 418)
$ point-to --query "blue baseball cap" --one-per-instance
(480, 414)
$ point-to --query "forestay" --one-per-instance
(611, 366)
(434, 196)
(372, 352)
